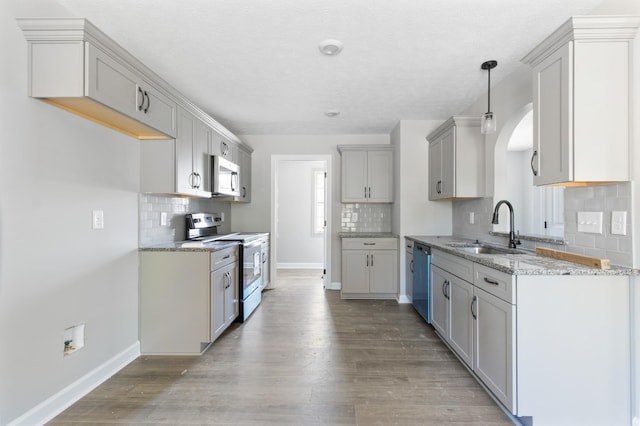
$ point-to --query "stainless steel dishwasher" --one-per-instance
(421, 280)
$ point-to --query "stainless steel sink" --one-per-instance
(479, 248)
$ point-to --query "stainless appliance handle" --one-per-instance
(411, 266)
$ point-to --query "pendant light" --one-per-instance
(488, 119)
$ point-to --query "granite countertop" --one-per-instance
(367, 235)
(193, 246)
(525, 263)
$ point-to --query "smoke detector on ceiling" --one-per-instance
(330, 47)
(331, 112)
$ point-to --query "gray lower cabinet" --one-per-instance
(552, 349)
(369, 268)
(187, 299)
(224, 294)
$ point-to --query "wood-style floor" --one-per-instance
(305, 357)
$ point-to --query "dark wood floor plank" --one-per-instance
(305, 357)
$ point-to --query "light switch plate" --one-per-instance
(590, 222)
(163, 218)
(472, 218)
(619, 223)
(98, 219)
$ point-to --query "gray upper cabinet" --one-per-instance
(76, 67)
(456, 159)
(367, 173)
(582, 98)
(244, 161)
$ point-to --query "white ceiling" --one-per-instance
(254, 65)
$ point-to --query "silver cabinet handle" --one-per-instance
(533, 156)
(369, 192)
(141, 93)
(365, 192)
(369, 244)
(445, 287)
(473, 312)
(367, 261)
(411, 266)
(371, 260)
(146, 95)
(489, 281)
(192, 176)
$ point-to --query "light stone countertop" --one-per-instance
(517, 264)
(177, 246)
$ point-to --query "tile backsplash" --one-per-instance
(366, 218)
(601, 198)
(150, 208)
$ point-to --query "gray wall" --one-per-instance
(55, 271)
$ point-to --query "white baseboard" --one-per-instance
(333, 286)
(300, 266)
(56, 404)
(403, 299)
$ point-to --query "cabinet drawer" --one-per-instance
(498, 283)
(369, 244)
(223, 257)
(456, 265)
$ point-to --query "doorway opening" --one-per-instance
(300, 219)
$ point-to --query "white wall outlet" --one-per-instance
(619, 223)
(98, 219)
(472, 218)
(163, 218)
(590, 222)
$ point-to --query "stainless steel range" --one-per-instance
(204, 227)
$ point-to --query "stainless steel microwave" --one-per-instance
(225, 178)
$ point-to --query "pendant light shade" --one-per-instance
(488, 119)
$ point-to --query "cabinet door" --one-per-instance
(355, 271)
(448, 186)
(201, 158)
(245, 176)
(157, 110)
(494, 339)
(552, 133)
(232, 302)
(380, 176)
(435, 169)
(185, 176)
(440, 301)
(461, 325)
(219, 281)
(354, 176)
(383, 271)
(110, 82)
